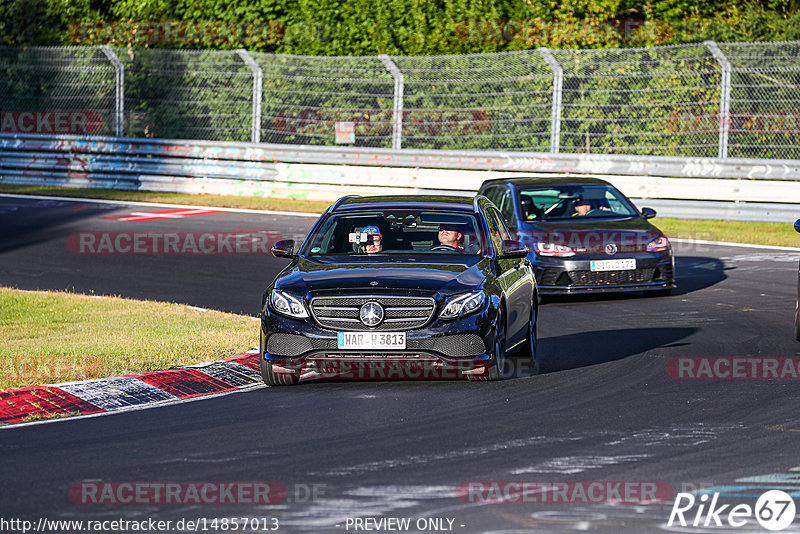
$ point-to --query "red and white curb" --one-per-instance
(102, 395)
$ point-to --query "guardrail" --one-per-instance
(327, 172)
(692, 100)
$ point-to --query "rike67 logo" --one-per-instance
(774, 510)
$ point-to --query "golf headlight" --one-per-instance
(551, 249)
(462, 305)
(287, 304)
(658, 244)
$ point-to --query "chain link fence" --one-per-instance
(304, 97)
(186, 94)
(644, 101)
(699, 100)
(765, 100)
(57, 90)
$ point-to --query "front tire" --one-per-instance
(528, 352)
(498, 362)
(797, 319)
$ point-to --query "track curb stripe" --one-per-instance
(184, 383)
(85, 397)
(26, 404)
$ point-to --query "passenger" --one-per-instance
(450, 237)
(374, 239)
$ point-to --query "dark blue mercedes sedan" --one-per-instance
(401, 287)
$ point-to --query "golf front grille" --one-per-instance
(400, 313)
(605, 278)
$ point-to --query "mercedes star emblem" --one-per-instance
(611, 249)
(371, 314)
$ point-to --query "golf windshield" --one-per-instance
(558, 202)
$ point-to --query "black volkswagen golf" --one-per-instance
(585, 235)
(401, 287)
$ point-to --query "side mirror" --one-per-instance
(284, 249)
(797, 225)
(513, 249)
(648, 213)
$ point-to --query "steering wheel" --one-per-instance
(447, 248)
(595, 212)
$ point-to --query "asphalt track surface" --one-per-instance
(606, 410)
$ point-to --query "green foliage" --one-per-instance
(27, 22)
(399, 27)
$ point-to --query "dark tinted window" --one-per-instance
(565, 201)
(393, 231)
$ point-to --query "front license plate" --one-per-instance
(372, 340)
(614, 265)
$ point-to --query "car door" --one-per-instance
(515, 278)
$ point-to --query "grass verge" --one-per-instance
(759, 233)
(777, 234)
(51, 337)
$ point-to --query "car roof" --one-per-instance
(524, 181)
(426, 202)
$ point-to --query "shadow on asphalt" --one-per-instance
(692, 273)
(27, 222)
(571, 351)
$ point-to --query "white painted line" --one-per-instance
(160, 205)
(727, 244)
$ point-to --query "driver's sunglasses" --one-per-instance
(373, 240)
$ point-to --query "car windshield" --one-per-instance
(573, 202)
(397, 232)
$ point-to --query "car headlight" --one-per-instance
(286, 304)
(462, 305)
(551, 249)
(658, 244)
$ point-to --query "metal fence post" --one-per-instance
(725, 97)
(397, 116)
(258, 77)
(558, 83)
(119, 114)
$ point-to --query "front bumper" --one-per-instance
(654, 271)
(444, 349)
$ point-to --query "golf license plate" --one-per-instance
(614, 265)
(372, 340)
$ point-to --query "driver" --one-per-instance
(450, 237)
(371, 239)
(582, 206)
